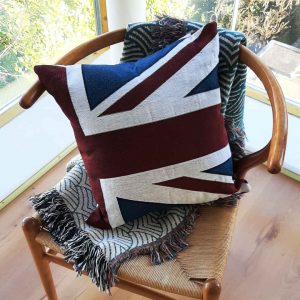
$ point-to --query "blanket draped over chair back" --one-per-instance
(161, 235)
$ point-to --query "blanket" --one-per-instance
(161, 235)
(64, 209)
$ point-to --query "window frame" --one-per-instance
(12, 109)
(260, 94)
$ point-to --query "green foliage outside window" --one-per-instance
(34, 32)
(264, 20)
(261, 20)
(176, 8)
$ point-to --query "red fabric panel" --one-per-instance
(54, 80)
(150, 84)
(155, 145)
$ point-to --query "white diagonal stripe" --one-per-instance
(161, 104)
(140, 187)
(77, 88)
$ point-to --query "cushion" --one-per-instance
(150, 132)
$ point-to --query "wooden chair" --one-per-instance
(198, 270)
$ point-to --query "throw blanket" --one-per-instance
(100, 253)
(142, 39)
(65, 208)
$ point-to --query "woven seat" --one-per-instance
(204, 258)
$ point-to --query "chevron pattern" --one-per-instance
(139, 42)
(76, 192)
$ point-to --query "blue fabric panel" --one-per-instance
(131, 210)
(226, 168)
(103, 80)
(210, 82)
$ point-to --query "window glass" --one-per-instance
(273, 33)
(38, 32)
(272, 28)
(220, 11)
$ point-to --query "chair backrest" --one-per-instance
(273, 152)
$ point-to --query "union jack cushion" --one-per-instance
(150, 132)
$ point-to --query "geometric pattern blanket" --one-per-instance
(64, 209)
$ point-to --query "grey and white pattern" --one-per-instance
(64, 209)
(76, 193)
(99, 252)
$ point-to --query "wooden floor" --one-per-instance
(264, 262)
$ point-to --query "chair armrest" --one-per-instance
(274, 151)
(72, 57)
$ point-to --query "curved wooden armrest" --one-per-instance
(72, 57)
(274, 151)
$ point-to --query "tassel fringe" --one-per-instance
(168, 30)
(87, 256)
(236, 137)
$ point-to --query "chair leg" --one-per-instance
(31, 228)
(211, 289)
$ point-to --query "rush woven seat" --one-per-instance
(204, 258)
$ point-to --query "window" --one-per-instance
(272, 28)
(36, 32)
(196, 10)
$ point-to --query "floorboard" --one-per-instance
(264, 261)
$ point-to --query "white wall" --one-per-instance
(119, 14)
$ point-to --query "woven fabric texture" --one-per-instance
(154, 136)
(142, 39)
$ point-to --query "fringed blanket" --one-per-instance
(65, 208)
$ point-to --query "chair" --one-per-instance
(198, 271)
